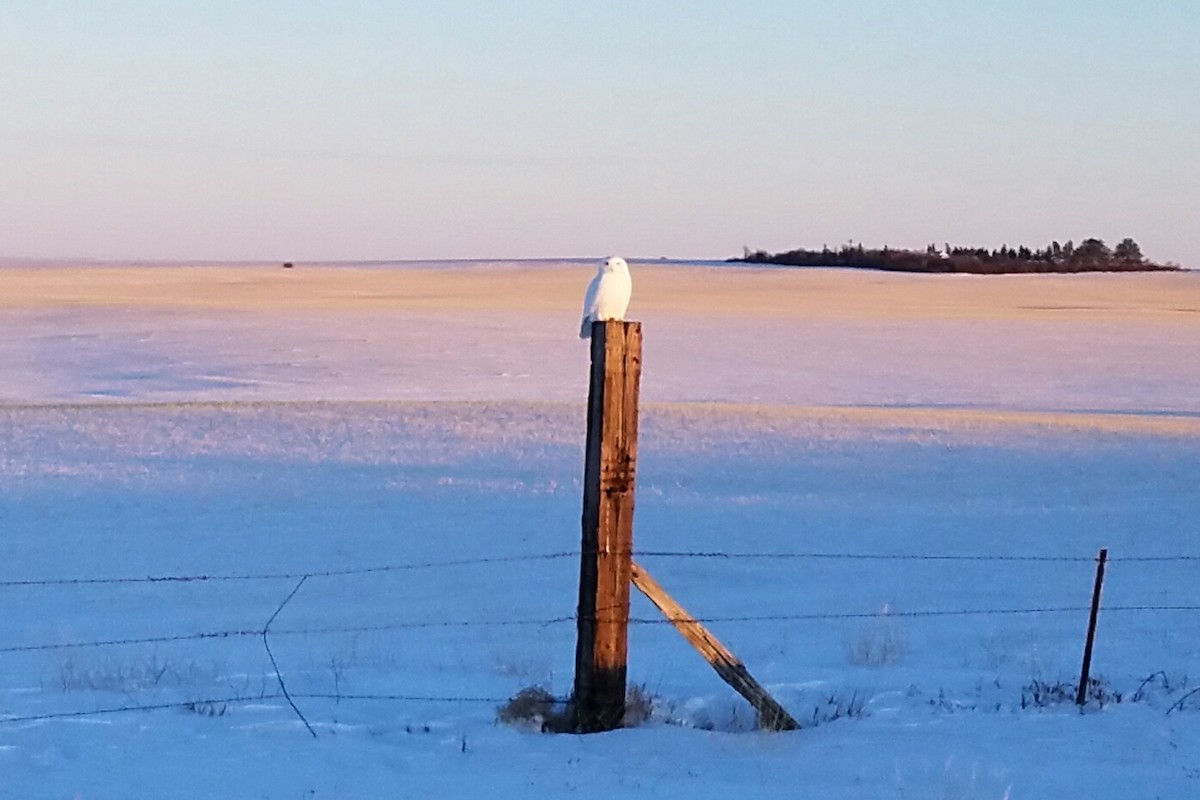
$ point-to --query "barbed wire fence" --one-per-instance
(267, 631)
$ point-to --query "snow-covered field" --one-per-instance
(877, 454)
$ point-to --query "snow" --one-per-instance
(160, 356)
(141, 441)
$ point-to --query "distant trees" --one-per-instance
(1090, 255)
(1128, 252)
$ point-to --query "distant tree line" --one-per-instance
(1090, 255)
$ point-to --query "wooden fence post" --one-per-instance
(607, 522)
(1081, 694)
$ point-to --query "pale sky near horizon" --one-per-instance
(397, 130)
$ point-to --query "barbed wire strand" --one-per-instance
(286, 695)
(466, 562)
(1178, 705)
(230, 634)
(95, 712)
(548, 621)
(412, 698)
(731, 555)
(461, 623)
(218, 701)
(256, 632)
(265, 576)
(927, 613)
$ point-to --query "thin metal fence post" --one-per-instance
(1081, 694)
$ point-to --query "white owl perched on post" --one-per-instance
(607, 295)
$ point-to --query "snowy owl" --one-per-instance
(607, 295)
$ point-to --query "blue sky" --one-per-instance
(363, 130)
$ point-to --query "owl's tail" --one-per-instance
(585, 329)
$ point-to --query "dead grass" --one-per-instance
(535, 708)
(880, 643)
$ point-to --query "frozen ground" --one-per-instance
(368, 448)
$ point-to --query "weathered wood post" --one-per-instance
(1084, 674)
(606, 556)
(771, 715)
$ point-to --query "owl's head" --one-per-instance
(614, 264)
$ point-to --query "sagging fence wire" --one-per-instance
(266, 631)
(271, 576)
(560, 555)
(1178, 705)
(252, 698)
(816, 556)
(574, 618)
(99, 712)
(256, 632)
(979, 612)
(283, 693)
(291, 697)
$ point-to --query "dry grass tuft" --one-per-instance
(639, 706)
(881, 643)
(534, 708)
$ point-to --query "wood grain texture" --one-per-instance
(607, 526)
(771, 715)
